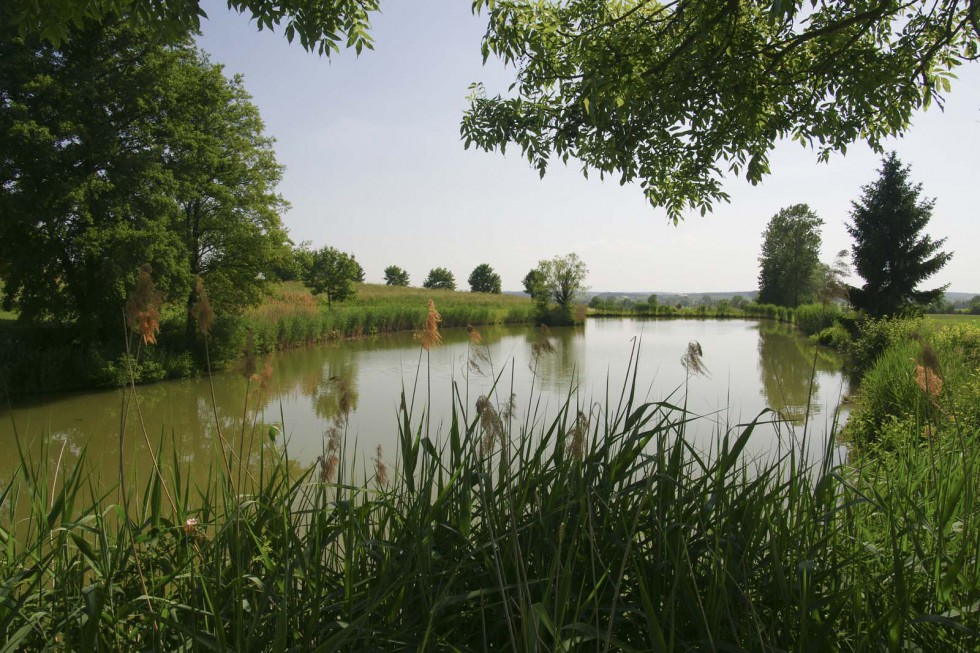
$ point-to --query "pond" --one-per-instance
(750, 366)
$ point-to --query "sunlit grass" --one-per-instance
(954, 318)
(291, 316)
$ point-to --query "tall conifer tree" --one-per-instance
(890, 252)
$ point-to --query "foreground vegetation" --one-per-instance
(600, 529)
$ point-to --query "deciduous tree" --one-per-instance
(890, 252)
(440, 278)
(321, 25)
(225, 175)
(119, 149)
(563, 277)
(484, 279)
(395, 276)
(790, 257)
(86, 197)
(675, 95)
(332, 273)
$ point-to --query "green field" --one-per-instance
(957, 318)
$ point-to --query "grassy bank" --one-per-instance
(600, 529)
(39, 360)
(292, 317)
(920, 382)
(715, 311)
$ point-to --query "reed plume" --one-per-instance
(490, 424)
(543, 344)
(143, 307)
(380, 469)
(201, 311)
(249, 363)
(693, 361)
(429, 336)
(576, 448)
(927, 373)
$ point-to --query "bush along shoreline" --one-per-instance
(600, 527)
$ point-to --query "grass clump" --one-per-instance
(925, 384)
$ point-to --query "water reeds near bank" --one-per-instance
(52, 360)
(292, 317)
(595, 529)
(718, 310)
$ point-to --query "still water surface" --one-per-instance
(752, 366)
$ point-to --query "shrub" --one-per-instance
(814, 318)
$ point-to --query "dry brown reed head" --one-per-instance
(265, 376)
(143, 307)
(692, 359)
(201, 310)
(927, 373)
(475, 337)
(928, 381)
(510, 408)
(345, 401)
(249, 364)
(543, 344)
(429, 336)
(576, 448)
(490, 424)
(380, 469)
(328, 468)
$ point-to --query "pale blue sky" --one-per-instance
(374, 166)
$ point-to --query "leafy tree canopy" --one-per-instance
(790, 257)
(440, 278)
(563, 277)
(321, 25)
(154, 158)
(890, 252)
(484, 279)
(395, 276)
(533, 283)
(676, 94)
(332, 273)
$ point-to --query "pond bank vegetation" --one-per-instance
(599, 527)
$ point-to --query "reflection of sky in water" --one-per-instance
(751, 366)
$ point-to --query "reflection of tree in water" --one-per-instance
(556, 354)
(787, 364)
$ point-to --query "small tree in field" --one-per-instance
(441, 279)
(332, 273)
(395, 276)
(890, 253)
(484, 279)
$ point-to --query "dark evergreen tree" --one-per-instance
(890, 252)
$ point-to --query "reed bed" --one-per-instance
(597, 529)
(714, 311)
(293, 317)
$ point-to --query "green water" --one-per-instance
(751, 366)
